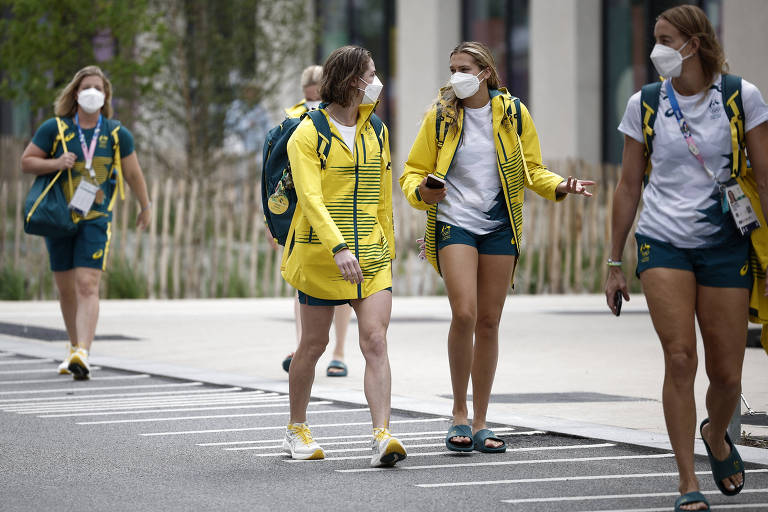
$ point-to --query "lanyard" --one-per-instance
(89, 152)
(685, 130)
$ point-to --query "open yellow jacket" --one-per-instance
(297, 109)
(519, 165)
(347, 202)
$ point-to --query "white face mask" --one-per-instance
(465, 84)
(668, 61)
(91, 100)
(372, 90)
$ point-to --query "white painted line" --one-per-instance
(137, 407)
(50, 370)
(53, 380)
(280, 427)
(5, 354)
(10, 401)
(574, 478)
(86, 387)
(750, 506)
(513, 463)
(194, 394)
(620, 496)
(143, 402)
(182, 418)
(27, 361)
(282, 403)
(443, 452)
(368, 436)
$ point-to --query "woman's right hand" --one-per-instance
(66, 161)
(615, 282)
(348, 266)
(431, 195)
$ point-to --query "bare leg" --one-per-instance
(313, 341)
(65, 283)
(341, 316)
(722, 315)
(373, 314)
(87, 292)
(297, 317)
(494, 273)
(458, 264)
(671, 297)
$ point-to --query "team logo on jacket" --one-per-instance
(103, 141)
(715, 109)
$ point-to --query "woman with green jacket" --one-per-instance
(475, 152)
(341, 243)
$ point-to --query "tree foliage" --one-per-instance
(44, 42)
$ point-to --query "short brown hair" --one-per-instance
(691, 21)
(343, 66)
(66, 103)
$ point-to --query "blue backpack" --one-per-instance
(278, 195)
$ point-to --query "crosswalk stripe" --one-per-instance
(750, 506)
(38, 370)
(182, 418)
(425, 436)
(7, 401)
(138, 403)
(443, 452)
(618, 496)
(510, 463)
(26, 361)
(103, 388)
(53, 379)
(280, 403)
(574, 478)
(279, 427)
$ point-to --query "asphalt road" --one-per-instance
(128, 441)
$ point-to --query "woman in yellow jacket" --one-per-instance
(341, 244)
(469, 144)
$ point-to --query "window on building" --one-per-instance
(503, 26)
(627, 44)
(366, 23)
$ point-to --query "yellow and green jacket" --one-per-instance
(297, 109)
(344, 202)
(519, 163)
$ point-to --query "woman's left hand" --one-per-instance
(144, 217)
(575, 186)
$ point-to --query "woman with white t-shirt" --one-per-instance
(480, 144)
(692, 258)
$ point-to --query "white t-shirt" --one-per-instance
(347, 134)
(681, 202)
(474, 200)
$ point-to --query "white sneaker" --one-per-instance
(387, 450)
(78, 365)
(300, 444)
(63, 368)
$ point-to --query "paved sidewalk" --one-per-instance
(565, 364)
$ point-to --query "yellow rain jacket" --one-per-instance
(297, 109)
(345, 202)
(519, 164)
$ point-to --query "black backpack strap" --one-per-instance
(378, 127)
(514, 112)
(649, 107)
(323, 135)
(730, 87)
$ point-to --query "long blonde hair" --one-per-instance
(66, 102)
(691, 21)
(446, 100)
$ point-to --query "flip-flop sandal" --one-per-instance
(689, 499)
(459, 431)
(338, 365)
(479, 441)
(287, 362)
(721, 469)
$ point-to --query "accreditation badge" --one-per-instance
(741, 209)
(83, 199)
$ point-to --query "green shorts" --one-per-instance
(500, 241)
(724, 266)
(314, 301)
(88, 247)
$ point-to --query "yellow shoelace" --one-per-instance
(302, 430)
(379, 434)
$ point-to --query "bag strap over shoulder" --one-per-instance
(730, 86)
(378, 127)
(649, 106)
(61, 125)
(323, 135)
(117, 159)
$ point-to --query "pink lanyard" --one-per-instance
(89, 152)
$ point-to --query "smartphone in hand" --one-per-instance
(617, 302)
(434, 182)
